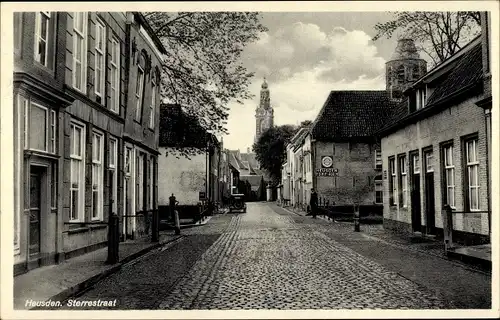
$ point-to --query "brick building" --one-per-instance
(143, 65)
(70, 101)
(435, 149)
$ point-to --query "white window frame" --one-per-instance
(115, 76)
(152, 108)
(39, 37)
(151, 184)
(379, 188)
(472, 169)
(139, 182)
(113, 154)
(449, 175)
(53, 131)
(81, 168)
(97, 174)
(429, 165)
(138, 95)
(100, 68)
(80, 35)
(416, 163)
(47, 122)
(26, 123)
(404, 181)
(394, 181)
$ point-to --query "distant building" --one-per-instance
(435, 149)
(192, 179)
(264, 114)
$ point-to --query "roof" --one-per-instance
(142, 19)
(178, 130)
(464, 76)
(352, 114)
(251, 159)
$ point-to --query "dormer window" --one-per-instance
(421, 97)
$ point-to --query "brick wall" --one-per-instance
(450, 124)
(352, 160)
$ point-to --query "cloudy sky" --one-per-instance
(304, 56)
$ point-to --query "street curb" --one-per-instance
(86, 284)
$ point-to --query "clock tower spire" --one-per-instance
(264, 114)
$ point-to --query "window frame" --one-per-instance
(81, 160)
(448, 170)
(152, 110)
(378, 159)
(113, 166)
(403, 181)
(467, 173)
(115, 77)
(97, 165)
(393, 187)
(38, 36)
(100, 26)
(48, 123)
(80, 35)
(139, 93)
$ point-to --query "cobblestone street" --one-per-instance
(262, 259)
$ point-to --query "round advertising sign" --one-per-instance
(327, 162)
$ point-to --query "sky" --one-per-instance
(304, 56)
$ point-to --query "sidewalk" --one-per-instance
(61, 281)
(416, 243)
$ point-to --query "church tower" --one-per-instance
(264, 114)
(404, 68)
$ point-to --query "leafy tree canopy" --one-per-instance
(203, 71)
(438, 34)
(271, 146)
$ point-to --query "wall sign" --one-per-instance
(327, 172)
(326, 161)
(202, 195)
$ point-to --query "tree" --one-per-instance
(203, 71)
(270, 149)
(438, 34)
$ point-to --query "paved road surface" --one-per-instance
(263, 259)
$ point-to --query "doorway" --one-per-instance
(37, 175)
(415, 193)
(429, 194)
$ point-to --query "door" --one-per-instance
(36, 176)
(429, 195)
(415, 194)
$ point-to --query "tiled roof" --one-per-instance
(251, 159)
(347, 114)
(467, 72)
(177, 129)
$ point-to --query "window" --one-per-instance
(378, 190)
(53, 131)
(113, 156)
(449, 178)
(472, 172)
(392, 181)
(115, 76)
(138, 93)
(97, 175)
(42, 34)
(378, 159)
(77, 155)
(38, 127)
(100, 53)
(139, 171)
(416, 163)
(152, 108)
(401, 74)
(429, 161)
(80, 51)
(416, 72)
(151, 183)
(403, 182)
(421, 98)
